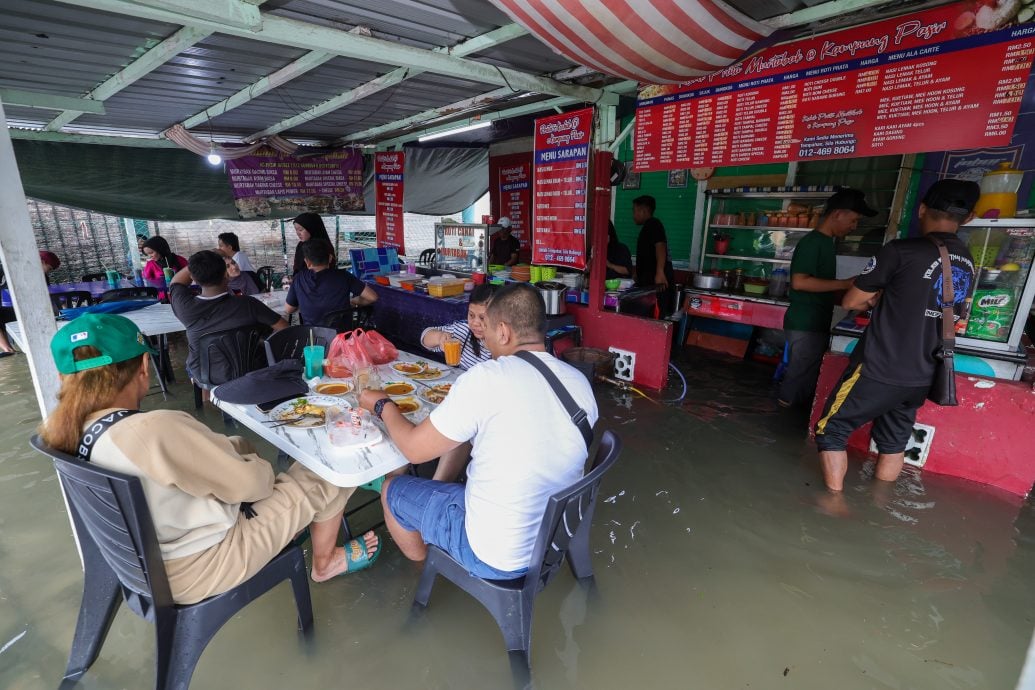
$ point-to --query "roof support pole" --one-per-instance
(20, 256)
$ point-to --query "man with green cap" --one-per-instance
(195, 480)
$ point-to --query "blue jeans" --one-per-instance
(436, 510)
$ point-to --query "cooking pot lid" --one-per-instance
(550, 285)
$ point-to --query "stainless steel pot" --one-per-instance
(553, 295)
(704, 281)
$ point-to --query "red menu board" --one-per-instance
(388, 173)
(561, 188)
(950, 77)
(515, 198)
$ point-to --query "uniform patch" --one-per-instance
(870, 266)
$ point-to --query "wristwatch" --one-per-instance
(379, 406)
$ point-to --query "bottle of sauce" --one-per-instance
(738, 281)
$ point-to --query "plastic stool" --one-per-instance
(569, 331)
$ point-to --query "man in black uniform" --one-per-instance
(653, 264)
(892, 368)
(504, 247)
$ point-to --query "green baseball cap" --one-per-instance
(115, 336)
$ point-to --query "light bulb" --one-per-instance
(213, 158)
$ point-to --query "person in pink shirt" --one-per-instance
(159, 257)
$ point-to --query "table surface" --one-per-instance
(312, 448)
(96, 288)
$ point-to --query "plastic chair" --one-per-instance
(241, 349)
(123, 294)
(426, 257)
(563, 531)
(265, 278)
(122, 561)
(70, 299)
(287, 343)
(94, 277)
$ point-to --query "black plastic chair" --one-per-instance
(426, 257)
(122, 561)
(94, 277)
(70, 299)
(264, 277)
(287, 343)
(130, 293)
(240, 349)
(563, 531)
(342, 320)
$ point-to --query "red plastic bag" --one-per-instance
(345, 356)
(381, 351)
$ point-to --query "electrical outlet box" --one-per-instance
(625, 364)
(918, 447)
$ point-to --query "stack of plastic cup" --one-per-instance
(548, 272)
(535, 274)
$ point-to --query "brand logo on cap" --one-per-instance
(81, 335)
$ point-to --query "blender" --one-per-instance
(999, 192)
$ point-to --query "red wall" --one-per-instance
(502, 161)
(989, 438)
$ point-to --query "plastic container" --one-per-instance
(999, 193)
(778, 283)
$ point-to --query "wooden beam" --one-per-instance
(72, 138)
(46, 101)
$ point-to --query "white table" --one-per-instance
(311, 447)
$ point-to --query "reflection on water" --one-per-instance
(717, 566)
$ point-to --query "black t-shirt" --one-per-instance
(651, 233)
(206, 315)
(502, 248)
(619, 255)
(317, 293)
(905, 332)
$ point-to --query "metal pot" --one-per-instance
(553, 295)
(704, 281)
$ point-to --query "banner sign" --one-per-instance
(268, 181)
(515, 183)
(388, 173)
(561, 188)
(948, 76)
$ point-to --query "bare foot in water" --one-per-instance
(341, 561)
(833, 503)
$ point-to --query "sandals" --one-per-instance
(356, 555)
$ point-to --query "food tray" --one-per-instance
(444, 289)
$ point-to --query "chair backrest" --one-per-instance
(565, 511)
(230, 354)
(93, 277)
(339, 320)
(264, 277)
(287, 343)
(123, 294)
(426, 256)
(111, 518)
(70, 299)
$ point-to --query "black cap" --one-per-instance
(282, 380)
(849, 200)
(953, 196)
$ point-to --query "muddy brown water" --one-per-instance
(715, 568)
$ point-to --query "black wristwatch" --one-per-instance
(379, 406)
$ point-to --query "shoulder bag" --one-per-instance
(943, 386)
(578, 415)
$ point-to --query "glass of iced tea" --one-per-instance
(451, 349)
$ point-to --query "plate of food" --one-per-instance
(429, 374)
(329, 386)
(305, 412)
(407, 405)
(409, 368)
(398, 388)
(436, 394)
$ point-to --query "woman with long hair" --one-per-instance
(307, 226)
(470, 333)
(159, 257)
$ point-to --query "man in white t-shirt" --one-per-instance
(230, 246)
(525, 448)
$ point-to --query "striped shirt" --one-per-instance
(460, 331)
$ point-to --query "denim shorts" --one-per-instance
(436, 510)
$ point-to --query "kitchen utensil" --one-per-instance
(553, 296)
(612, 283)
(705, 281)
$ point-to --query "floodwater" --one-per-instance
(716, 567)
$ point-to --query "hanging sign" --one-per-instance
(269, 181)
(951, 76)
(561, 188)
(515, 198)
(388, 172)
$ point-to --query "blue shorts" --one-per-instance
(436, 510)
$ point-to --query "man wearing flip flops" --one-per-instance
(219, 512)
(525, 448)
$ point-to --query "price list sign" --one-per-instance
(515, 198)
(388, 174)
(950, 77)
(561, 188)
(268, 180)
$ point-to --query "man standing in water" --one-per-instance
(893, 366)
(813, 290)
(653, 265)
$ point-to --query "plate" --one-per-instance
(398, 388)
(429, 374)
(291, 408)
(331, 386)
(408, 405)
(436, 394)
(409, 368)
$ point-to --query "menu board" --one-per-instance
(388, 174)
(515, 198)
(561, 188)
(948, 77)
(268, 181)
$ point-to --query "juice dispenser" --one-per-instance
(999, 193)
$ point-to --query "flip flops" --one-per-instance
(356, 555)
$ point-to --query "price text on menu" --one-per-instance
(561, 188)
(951, 77)
(515, 189)
(269, 180)
(388, 172)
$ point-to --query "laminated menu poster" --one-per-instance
(561, 188)
(947, 77)
(515, 197)
(388, 173)
(269, 181)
